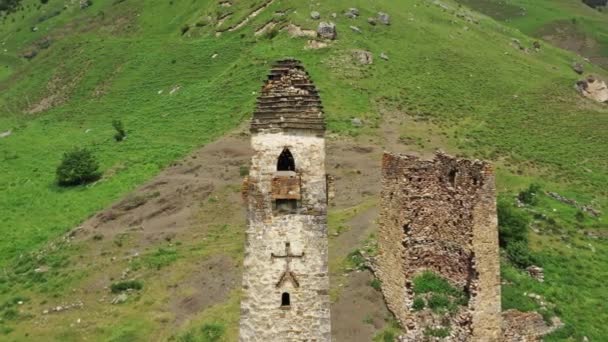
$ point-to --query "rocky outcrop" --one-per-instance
(593, 88)
(327, 30)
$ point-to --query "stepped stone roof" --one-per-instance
(288, 100)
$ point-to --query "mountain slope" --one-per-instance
(180, 74)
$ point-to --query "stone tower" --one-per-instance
(285, 277)
(439, 216)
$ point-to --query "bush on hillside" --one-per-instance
(126, 285)
(530, 195)
(519, 254)
(78, 167)
(512, 224)
(121, 134)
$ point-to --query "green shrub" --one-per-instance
(530, 195)
(120, 134)
(580, 217)
(519, 254)
(376, 284)
(126, 285)
(418, 304)
(78, 167)
(212, 332)
(438, 302)
(430, 282)
(356, 260)
(243, 170)
(512, 224)
(437, 332)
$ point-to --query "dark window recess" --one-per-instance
(285, 300)
(452, 177)
(286, 161)
(286, 205)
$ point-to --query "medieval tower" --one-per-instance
(285, 278)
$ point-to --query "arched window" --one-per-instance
(285, 301)
(286, 161)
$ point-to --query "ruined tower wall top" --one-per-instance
(289, 100)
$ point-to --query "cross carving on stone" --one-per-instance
(287, 274)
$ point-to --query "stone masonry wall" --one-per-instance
(440, 215)
(265, 277)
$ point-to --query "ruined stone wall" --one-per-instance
(440, 215)
(265, 277)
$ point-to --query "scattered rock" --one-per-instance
(526, 326)
(334, 15)
(175, 89)
(356, 29)
(315, 44)
(384, 56)
(536, 45)
(384, 18)
(363, 57)
(30, 54)
(35, 29)
(372, 21)
(85, 3)
(121, 298)
(356, 122)
(315, 15)
(41, 269)
(6, 134)
(297, 31)
(585, 208)
(536, 273)
(578, 68)
(352, 13)
(327, 30)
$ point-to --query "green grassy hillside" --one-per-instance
(181, 73)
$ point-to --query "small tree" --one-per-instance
(77, 167)
(120, 130)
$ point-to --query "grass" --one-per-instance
(121, 60)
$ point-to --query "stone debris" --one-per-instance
(356, 122)
(121, 298)
(85, 3)
(6, 134)
(536, 45)
(384, 56)
(578, 68)
(352, 13)
(593, 88)
(384, 18)
(65, 307)
(327, 30)
(585, 208)
(315, 15)
(536, 273)
(175, 89)
(372, 21)
(297, 31)
(439, 215)
(520, 326)
(315, 45)
(363, 57)
(356, 29)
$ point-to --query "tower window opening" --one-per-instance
(285, 300)
(286, 161)
(452, 177)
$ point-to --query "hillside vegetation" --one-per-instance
(180, 74)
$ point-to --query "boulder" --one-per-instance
(578, 68)
(356, 122)
(384, 18)
(372, 21)
(352, 13)
(363, 57)
(327, 30)
(593, 89)
(384, 56)
(315, 15)
(536, 273)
